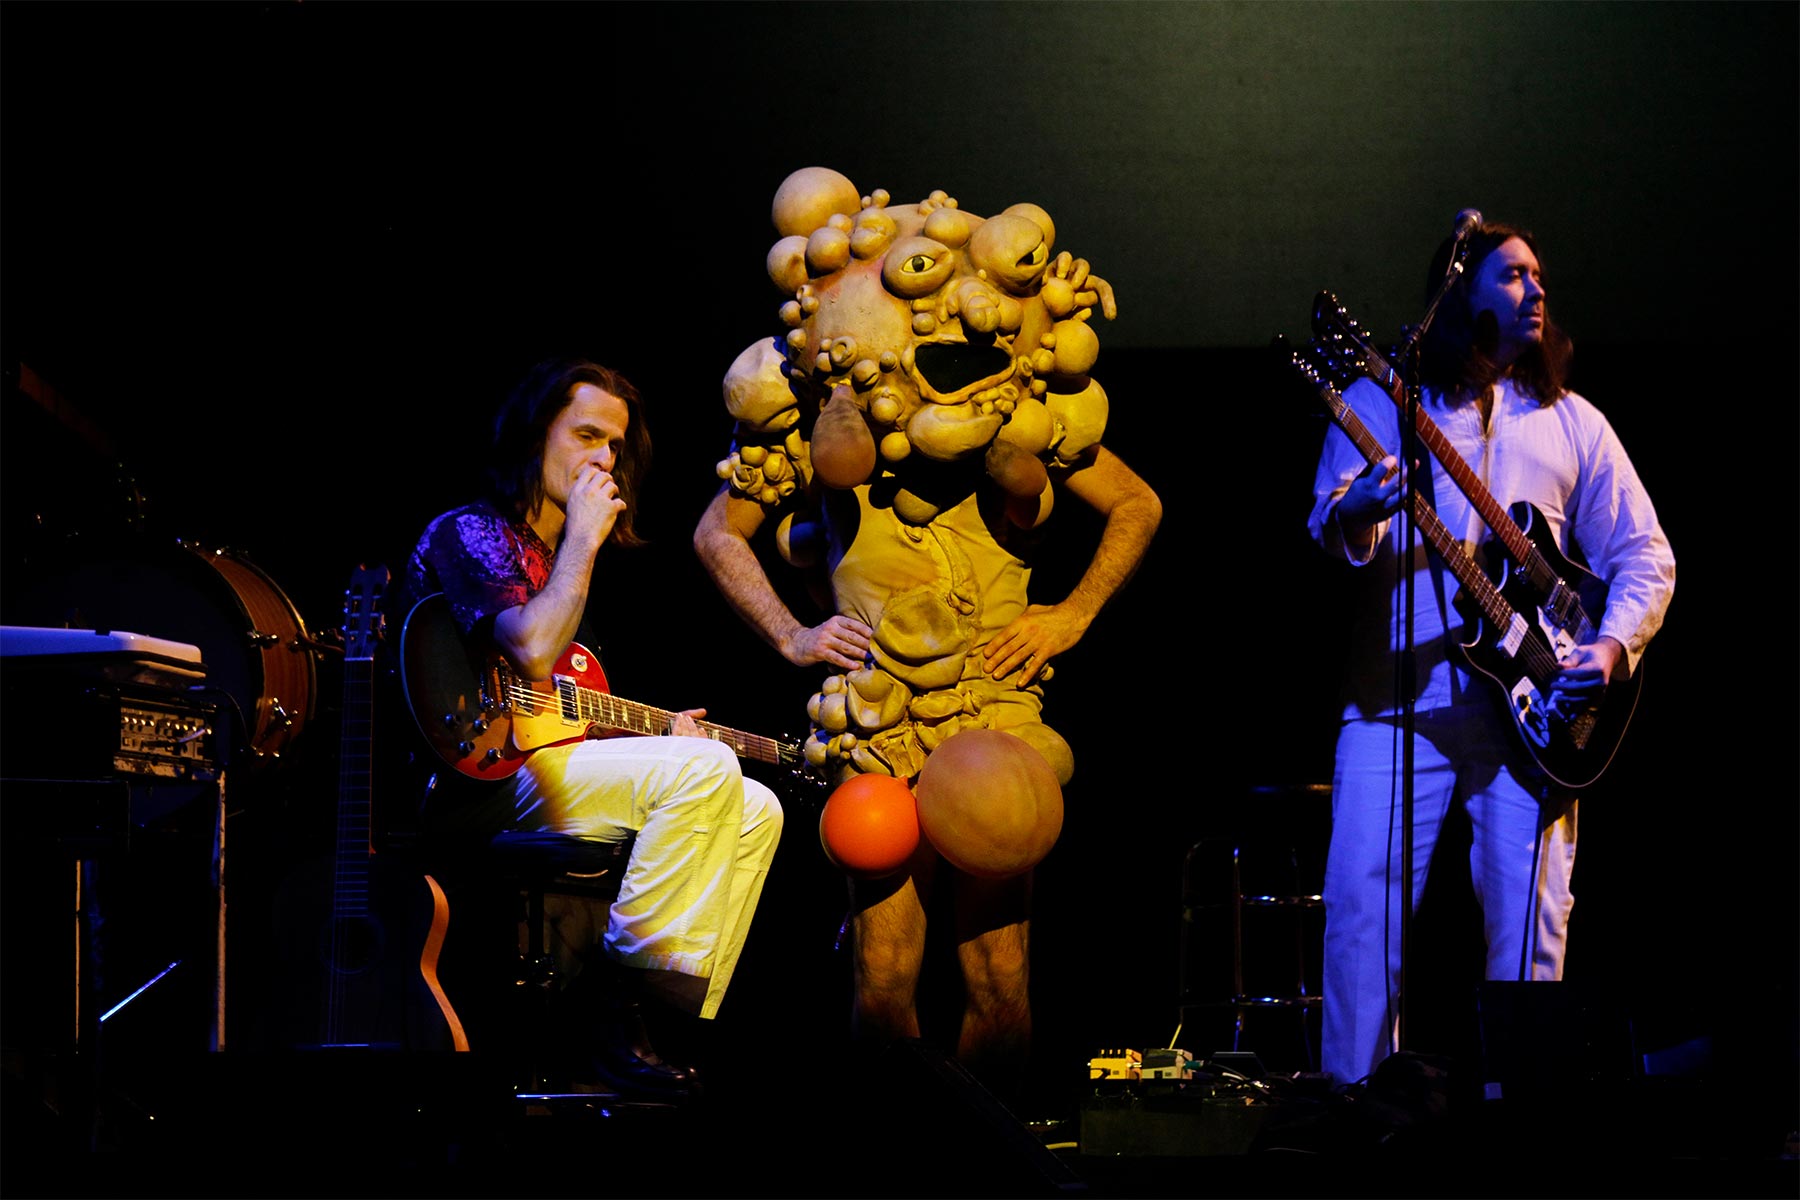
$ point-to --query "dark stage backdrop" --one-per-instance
(280, 261)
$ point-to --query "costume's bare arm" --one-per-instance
(1132, 511)
(722, 540)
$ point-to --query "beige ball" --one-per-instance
(989, 803)
(810, 197)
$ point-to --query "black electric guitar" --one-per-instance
(1535, 608)
(1571, 599)
(484, 719)
(365, 975)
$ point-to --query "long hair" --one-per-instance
(1456, 353)
(516, 466)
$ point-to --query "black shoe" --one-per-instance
(626, 1059)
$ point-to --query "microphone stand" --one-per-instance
(1406, 357)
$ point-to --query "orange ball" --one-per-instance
(990, 803)
(870, 826)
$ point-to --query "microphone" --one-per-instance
(1466, 223)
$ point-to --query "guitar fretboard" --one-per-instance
(1557, 595)
(350, 885)
(1534, 653)
(595, 707)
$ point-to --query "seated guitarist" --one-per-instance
(1493, 365)
(570, 452)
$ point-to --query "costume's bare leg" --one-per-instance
(993, 944)
(888, 927)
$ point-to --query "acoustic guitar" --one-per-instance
(363, 965)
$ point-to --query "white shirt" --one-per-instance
(1565, 459)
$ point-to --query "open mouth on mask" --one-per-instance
(950, 367)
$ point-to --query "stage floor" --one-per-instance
(905, 1124)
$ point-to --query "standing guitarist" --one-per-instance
(570, 451)
(1493, 366)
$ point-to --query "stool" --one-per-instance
(1253, 928)
(533, 866)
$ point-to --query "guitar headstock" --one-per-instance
(1307, 366)
(364, 623)
(1319, 363)
(1331, 320)
(1346, 347)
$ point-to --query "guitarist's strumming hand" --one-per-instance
(1586, 670)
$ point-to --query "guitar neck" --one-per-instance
(355, 795)
(1518, 547)
(628, 716)
(355, 812)
(1475, 583)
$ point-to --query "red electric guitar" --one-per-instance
(483, 718)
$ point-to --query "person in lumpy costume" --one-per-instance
(910, 433)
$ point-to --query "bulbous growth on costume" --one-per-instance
(843, 449)
(1020, 474)
(933, 366)
(989, 803)
(870, 826)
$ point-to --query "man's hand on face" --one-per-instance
(594, 505)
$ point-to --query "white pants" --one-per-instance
(1460, 754)
(705, 838)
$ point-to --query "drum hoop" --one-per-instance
(225, 560)
(247, 582)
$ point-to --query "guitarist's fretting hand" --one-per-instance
(683, 723)
(1371, 499)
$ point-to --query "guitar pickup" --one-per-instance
(1516, 629)
(568, 699)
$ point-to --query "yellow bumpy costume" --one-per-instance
(935, 366)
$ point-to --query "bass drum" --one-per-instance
(252, 639)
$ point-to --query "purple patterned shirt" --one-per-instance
(483, 563)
